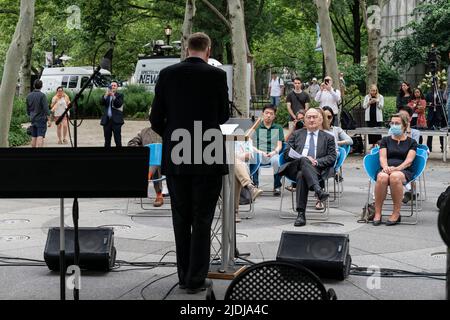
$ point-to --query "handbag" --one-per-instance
(368, 213)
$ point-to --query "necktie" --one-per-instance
(312, 146)
(109, 108)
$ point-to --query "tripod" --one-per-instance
(437, 99)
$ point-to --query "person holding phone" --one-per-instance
(328, 96)
(112, 119)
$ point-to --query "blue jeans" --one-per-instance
(275, 101)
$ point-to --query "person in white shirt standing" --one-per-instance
(276, 88)
(328, 96)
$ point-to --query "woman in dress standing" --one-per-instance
(59, 104)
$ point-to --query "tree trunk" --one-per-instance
(239, 48)
(25, 71)
(328, 44)
(356, 32)
(373, 25)
(22, 36)
(186, 30)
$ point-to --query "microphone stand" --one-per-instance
(75, 209)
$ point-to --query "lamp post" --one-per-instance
(54, 43)
(168, 32)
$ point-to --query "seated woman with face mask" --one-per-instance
(397, 153)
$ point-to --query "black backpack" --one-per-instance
(347, 121)
(442, 198)
(245, 196)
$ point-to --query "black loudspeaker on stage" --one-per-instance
(97, 251)
(325, 254)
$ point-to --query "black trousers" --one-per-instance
(193, 200)
(307, 177)
(111, 128)
(436, 120)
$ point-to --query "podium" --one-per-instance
(88, 172)
(235, 129)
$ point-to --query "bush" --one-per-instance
(388, 79)
(137, 101)
(283, 116)
(17, 135)
(390, 107)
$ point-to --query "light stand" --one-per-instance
(106, 61)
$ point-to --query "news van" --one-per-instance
(148, 68)
(72, 78)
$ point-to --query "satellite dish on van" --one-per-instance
(214, 62)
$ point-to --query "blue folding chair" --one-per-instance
(425, 152)
(371, 163)
(154, 160)
(341, 156)
(347, 149)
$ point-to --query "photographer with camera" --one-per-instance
(112, 119)
(328, 96)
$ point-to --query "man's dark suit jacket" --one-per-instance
(189, 91)
(325, 153)
(117, 115)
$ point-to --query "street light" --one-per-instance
(54, 43)
(168, 32)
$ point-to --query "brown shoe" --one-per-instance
(254, 191)
(159, 201)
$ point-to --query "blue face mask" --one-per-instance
(396, 130)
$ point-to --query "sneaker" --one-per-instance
(254, 191)
(276, 192)
(159, 201)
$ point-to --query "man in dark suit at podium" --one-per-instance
(316, 155)
(191, 97)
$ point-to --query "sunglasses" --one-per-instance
(329, 117)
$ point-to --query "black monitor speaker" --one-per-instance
(325, 254)
(97, 251)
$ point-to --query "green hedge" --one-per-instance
(17, 135)
(136, 105)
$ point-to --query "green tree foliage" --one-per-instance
(433, 27)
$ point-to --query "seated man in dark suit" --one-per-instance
(316, 155)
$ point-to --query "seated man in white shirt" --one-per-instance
(310, 155)
(328, 96)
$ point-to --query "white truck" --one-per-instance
(148, 68)
(70, 78)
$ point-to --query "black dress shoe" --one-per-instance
(322, 195)
(392, 223)
(203, 287)
(181, 286)
(301, 220)
(376, 222)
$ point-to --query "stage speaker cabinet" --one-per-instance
(97, 251)
(325, 254)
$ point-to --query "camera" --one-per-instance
(327, 81)
(433, 59)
